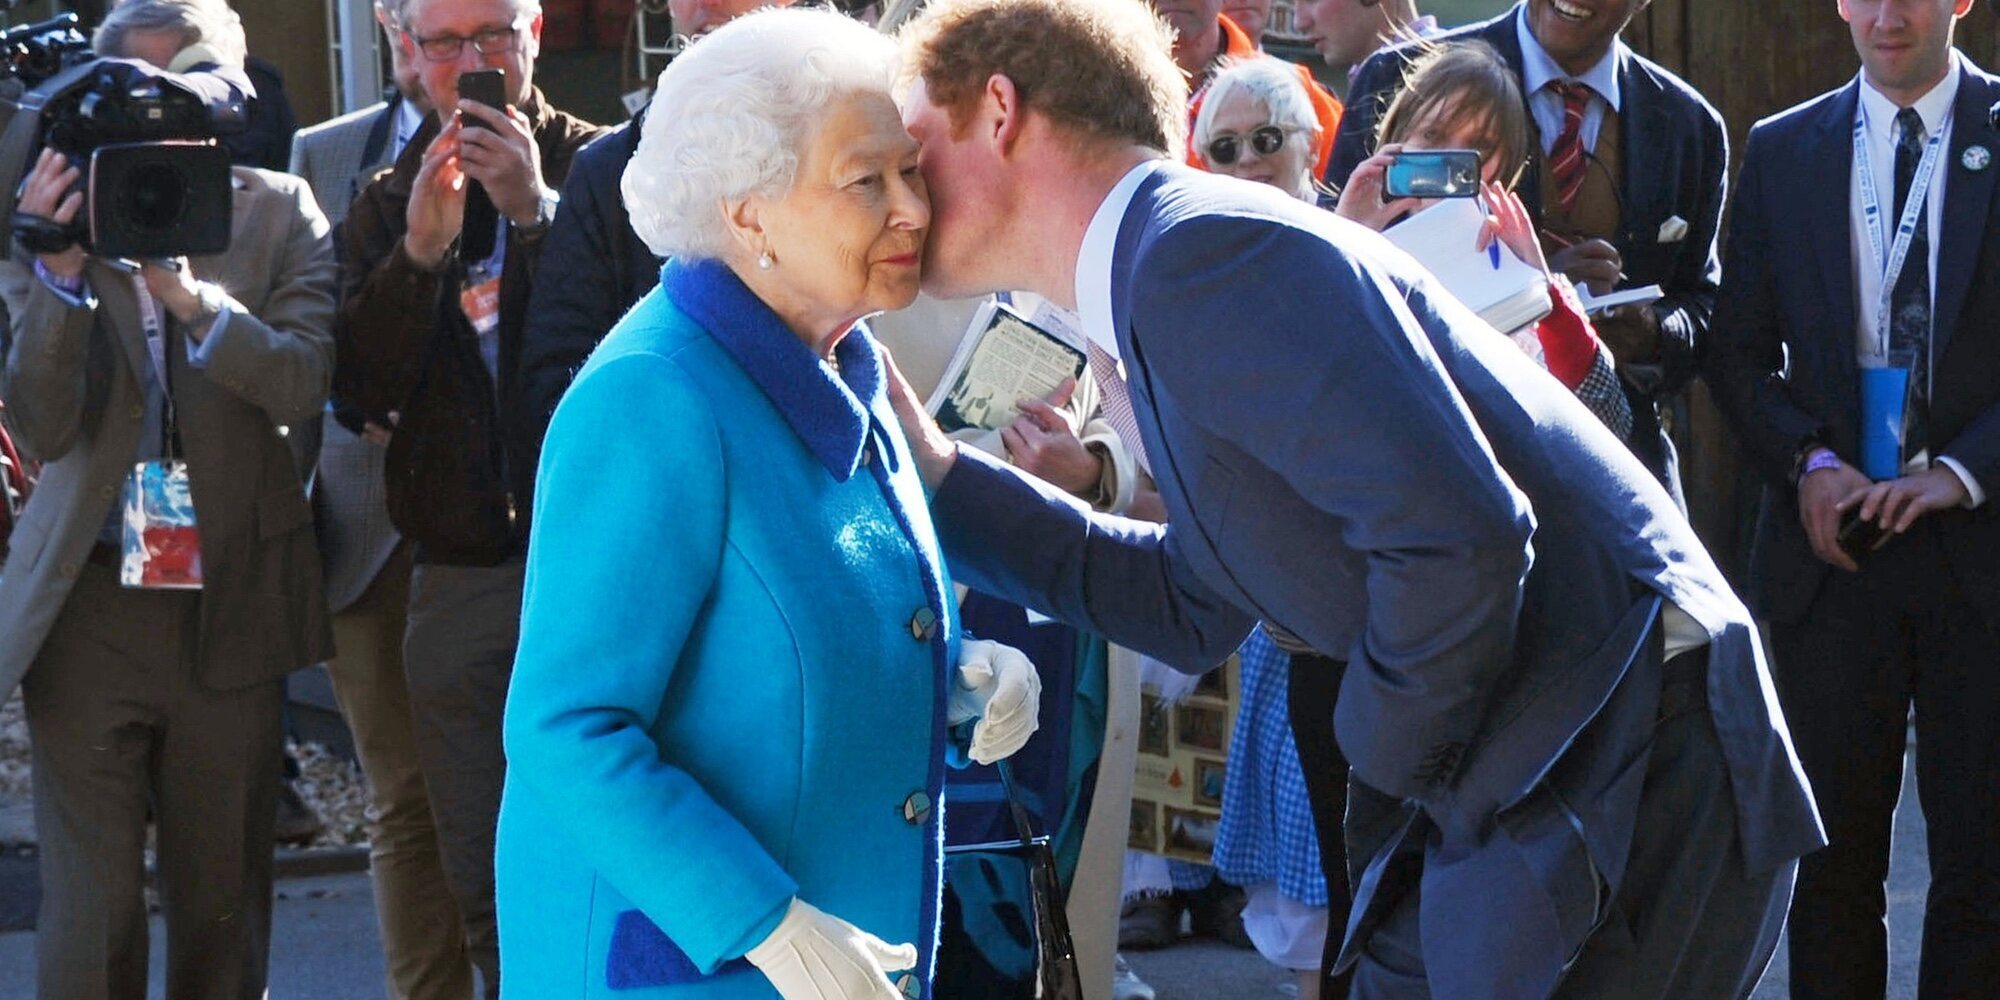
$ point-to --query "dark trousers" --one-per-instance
(458, 654)
(119, 720)
(1873, 644)
(1689, 921)
(1315, 688)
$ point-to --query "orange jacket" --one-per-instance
(1326, 107)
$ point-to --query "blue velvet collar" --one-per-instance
(829, 412)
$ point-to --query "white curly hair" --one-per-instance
(732, 115)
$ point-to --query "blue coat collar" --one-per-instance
(829, 413)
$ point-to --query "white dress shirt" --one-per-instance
(1538, 68)
(1877, 115)
(1093, 259)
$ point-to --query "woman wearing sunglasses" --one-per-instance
(1257, 123)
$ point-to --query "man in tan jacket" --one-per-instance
(148, 696)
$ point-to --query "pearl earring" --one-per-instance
(764, 261)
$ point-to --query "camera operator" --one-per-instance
(431, 332)
(167, 697)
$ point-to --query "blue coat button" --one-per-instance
(917, 808)
(908, 985)
(923, 624)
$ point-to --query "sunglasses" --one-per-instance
(1224, 150)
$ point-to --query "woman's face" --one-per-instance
(1239, 117)
(847, 239)
(1443, 126)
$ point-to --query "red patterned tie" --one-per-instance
(1566, 158)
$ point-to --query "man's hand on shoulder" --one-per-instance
(504, 158)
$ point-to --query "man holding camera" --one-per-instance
(147, 698)
(434, 296)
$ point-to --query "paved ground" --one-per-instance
(324, 945)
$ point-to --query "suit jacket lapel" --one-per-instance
(1967, 198)
(1826, 193)
(1503, 33)
(1646, 139)
(112, 285)
(378, 134)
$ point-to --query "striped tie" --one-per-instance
(1566, 157)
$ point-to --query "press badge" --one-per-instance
(162, 544)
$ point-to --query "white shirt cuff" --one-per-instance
(1974, 496)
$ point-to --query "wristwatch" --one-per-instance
(545, 213)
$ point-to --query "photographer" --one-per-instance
(147, 696)
(430, 337)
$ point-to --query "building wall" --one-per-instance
(293, 34)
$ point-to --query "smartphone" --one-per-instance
(1433, 173)
(1858, 536)
(487, 86)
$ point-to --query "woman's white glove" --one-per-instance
(999, 687)
(817, 956)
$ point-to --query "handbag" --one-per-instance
(1003, 933)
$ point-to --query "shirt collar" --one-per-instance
(1879, 113)
(409, 118)
(1538, 67)
(829, 412)
(1093, 261)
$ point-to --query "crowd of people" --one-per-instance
(677, 638)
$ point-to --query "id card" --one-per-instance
(162, 544)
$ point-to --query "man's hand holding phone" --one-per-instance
(497, 147)
(1821, 494)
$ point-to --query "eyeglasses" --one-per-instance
(444, 48)
(1224, 149)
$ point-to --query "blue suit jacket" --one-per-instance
(1791, 295)
(729, 684)
(1351, 454)
(1676, 158)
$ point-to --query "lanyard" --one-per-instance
(156, 348)
(1892, 262)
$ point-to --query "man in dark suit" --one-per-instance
(1627, 186)
(1813, 311)
(1568, 768)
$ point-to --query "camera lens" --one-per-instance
(153, 197)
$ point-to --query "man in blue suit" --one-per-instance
(1626, 184)
(1813, 312)
(1570, 773)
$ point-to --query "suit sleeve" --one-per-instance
(388, 308)
(1340, 395)
(1686, 310)
(281, 357)
(1367, 98)
(44, 350)
(1745, 358)
(612, 598)
(1018, 538)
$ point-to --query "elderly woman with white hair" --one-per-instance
(1257, 123)
(739, 678)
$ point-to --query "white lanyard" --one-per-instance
(156, 337)
(1906, 228)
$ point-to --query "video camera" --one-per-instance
(155, 181)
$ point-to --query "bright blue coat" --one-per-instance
(728, 690)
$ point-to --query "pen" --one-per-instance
(1493, 253)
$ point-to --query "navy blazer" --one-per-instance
(1355, 456)
(1675, 154)
(1791, 295)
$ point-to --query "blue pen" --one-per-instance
(1493, 253)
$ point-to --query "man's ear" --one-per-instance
(1002, 110)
